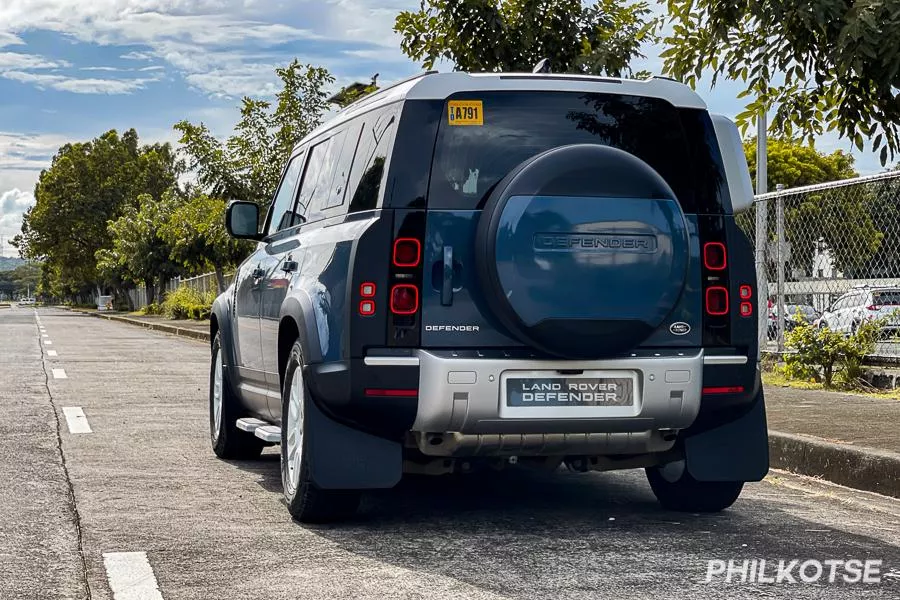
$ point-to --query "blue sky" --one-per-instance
(72, 69)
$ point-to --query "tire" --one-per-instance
(686, 494)
(228, 441)
(306, 502)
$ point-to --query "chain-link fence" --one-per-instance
(831, 255)
(204, 284)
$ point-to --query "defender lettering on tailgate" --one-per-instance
(597, 242)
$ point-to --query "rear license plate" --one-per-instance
(569, 391)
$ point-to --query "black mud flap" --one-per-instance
(736, 451)
(343, 458)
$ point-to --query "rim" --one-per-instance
(217, 396)
(294, 449)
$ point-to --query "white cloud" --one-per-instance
(105, 69)
(23, 151)
(214, 42)
(76, 85)
(17, 60)
(10, 39)
(137, 56)
(13, 204)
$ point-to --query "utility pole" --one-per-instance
(761, 225)
(780, 258)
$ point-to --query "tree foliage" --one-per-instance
(195, 232)
(793, 163)
(824, 65)
(839, 219)
(248, 164)
(19, 281)
(86, 186)
(513, 35)
(138, 253)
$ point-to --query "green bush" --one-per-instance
(152, 309)
(188, 303)
(821, 355)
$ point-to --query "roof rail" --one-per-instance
(369, 97)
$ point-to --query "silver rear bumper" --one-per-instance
(466, 395)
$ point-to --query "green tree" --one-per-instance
(513, 35)
(793, 163)
(824, 65)
(196, 234)
(248, 164)
(86, 186)
(841, 218)
(138, 253)
(20, 281)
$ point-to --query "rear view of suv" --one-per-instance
(473, 269)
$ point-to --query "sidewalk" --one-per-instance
(848, 439)
(186, 328)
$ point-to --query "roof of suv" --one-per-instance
(437, 86)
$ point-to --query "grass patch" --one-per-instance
(776, 379)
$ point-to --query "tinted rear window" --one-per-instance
(679, 144)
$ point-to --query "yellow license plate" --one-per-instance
(465, 112)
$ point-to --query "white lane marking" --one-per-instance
(76, 419)
(45, 335)
(51, 352)
(131, 576)
(60, 374)
(48, 342)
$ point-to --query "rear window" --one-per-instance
(887, 298)
(471, 159)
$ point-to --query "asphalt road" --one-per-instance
(144, 480)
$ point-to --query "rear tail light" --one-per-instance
(367, 308)
(746, 292)
(714, 256)
(404, 299)
(716, 301)
(746, 309)
(407, 252)
(367, 289)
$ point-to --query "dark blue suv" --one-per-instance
(469, 269)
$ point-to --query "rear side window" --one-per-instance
(342, 167)
(887, 298)
(368, 166)
(470, 159)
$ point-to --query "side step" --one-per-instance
(261, 429)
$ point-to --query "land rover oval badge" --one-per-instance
(680, 328)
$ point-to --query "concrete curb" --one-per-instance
(163, 327)
(867, 469)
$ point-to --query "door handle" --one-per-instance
(447, 283)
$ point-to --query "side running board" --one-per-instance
(261, 429)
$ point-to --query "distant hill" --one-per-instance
(8, 263)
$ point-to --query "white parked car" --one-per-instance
(864, 304)
(26, 302)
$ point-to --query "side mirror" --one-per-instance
(242, 220)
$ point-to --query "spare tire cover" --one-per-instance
(582, 251)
